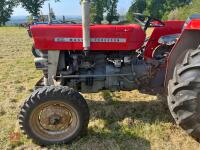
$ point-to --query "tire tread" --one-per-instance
(184, 94)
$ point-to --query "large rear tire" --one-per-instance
(54, 115)
(184, 94)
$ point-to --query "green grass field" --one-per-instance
(120, 120)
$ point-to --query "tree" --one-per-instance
(112, 14)
(138, 6)
(6, 10)
(33, 6)
(160, 8)
(155, 8)
(100, 7)
(97, 11)
(183, 13)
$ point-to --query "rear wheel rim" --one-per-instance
(54, 121)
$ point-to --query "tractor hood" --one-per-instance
(103, 37)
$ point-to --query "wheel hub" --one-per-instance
(55, 118)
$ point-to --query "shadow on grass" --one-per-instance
(114, 110)
(111, 141)
(108, 133)
(110, 119)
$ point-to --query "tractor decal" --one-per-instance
(96, 40)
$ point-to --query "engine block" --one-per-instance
(109, 71)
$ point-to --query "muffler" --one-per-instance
(86, 24)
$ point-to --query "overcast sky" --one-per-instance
(70, 7)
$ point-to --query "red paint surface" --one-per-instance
(44, 36)
(193, 25)
(171, 27)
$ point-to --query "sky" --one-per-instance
(69, 7)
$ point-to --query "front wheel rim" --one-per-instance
(54, 121)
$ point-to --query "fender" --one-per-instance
(171, 27)
(193, 25)
(189, 39)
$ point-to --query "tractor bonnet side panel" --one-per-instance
(103, 37)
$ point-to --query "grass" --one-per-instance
(119, 120)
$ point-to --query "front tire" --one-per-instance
(184, 94)
(36, 52)
(54, 115)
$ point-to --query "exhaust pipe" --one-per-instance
(86, 24)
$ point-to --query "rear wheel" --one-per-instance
(184, 94)
(54, 115)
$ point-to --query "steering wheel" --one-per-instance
(148, 21)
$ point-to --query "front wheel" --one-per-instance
(36, 52)
(184, 94)
(54, 115)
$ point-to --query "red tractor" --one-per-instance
(89, 58)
